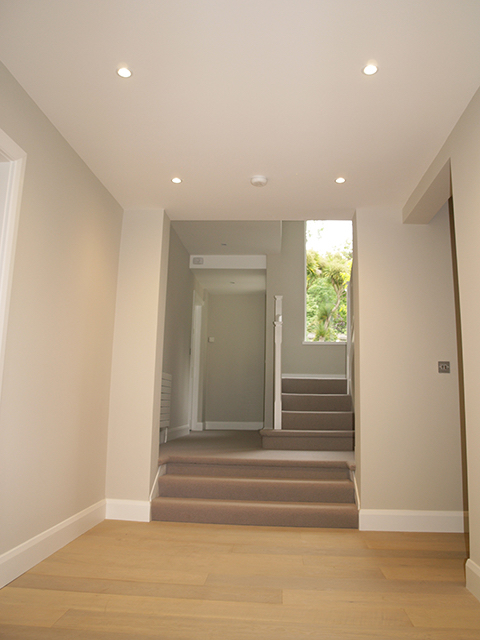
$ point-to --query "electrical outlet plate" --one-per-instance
(443, 366)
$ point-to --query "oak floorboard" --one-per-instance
(130, 628)
(437, 572)
(444, 618)
(353, 552)
(429, 601)
(415, 541)
(174, 581)
(323, 583)
(151, 589)
(120, 572)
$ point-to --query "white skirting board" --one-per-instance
(22, 558)
(402, 520)
(177, 432)
(316, 376)
(234, 426)
(472, 572)
(131, 510)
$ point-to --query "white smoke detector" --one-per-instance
(259, 181)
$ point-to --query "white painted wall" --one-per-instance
(137, 362)
(55, 395)
(407, 414)
(462, 149)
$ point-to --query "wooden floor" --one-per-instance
(124, 580)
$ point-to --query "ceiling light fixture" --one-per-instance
(176, 180)
(123, 72)
(340, 180)
(370, 69)
(258, 181)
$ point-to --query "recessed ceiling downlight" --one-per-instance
(258, 181)
(176, 180)
(340, 180)
(123, 72)
(370, 69)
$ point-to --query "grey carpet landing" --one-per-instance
(317, 415)
(287, 493)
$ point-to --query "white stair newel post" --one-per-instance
(277, 402)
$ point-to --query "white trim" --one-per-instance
(316, 376)
(178, 432)
(472, 572)
(200, 426)
(329, 344)
(355, 487)
(195, 359)
(277, 363)
(404, 520)
(26, 555)
(154, 490)
(234, 426)
(132, 510)
(8, 236)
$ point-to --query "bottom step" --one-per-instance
(280, 514)
(306, 440)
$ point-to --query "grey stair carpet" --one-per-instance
(250, 492)
(317, 415)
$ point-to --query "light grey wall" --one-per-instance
(178, 329)
(461, 149)
(235, 361)
(286, 276)
(407, 414)
(55, 396)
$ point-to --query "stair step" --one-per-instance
(263, 489)
(307, 440)
(318, 420)
(314, 385)
(316, 402)
(247, 468)
(243, 512)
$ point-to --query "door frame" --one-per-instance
(16, 158)
(195, 361)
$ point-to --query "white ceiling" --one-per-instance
(229, 237)
(225, 89)
(232, 281)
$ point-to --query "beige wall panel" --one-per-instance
(137, 357)
(54, 405)
(408, 413)
(462, 149)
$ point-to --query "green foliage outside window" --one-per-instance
(327, 278)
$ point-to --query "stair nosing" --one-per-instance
(179, 459)
(261, 503)
(314, 433)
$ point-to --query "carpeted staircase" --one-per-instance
(289, 493)
(317, 415)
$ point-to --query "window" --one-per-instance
(328, 251)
